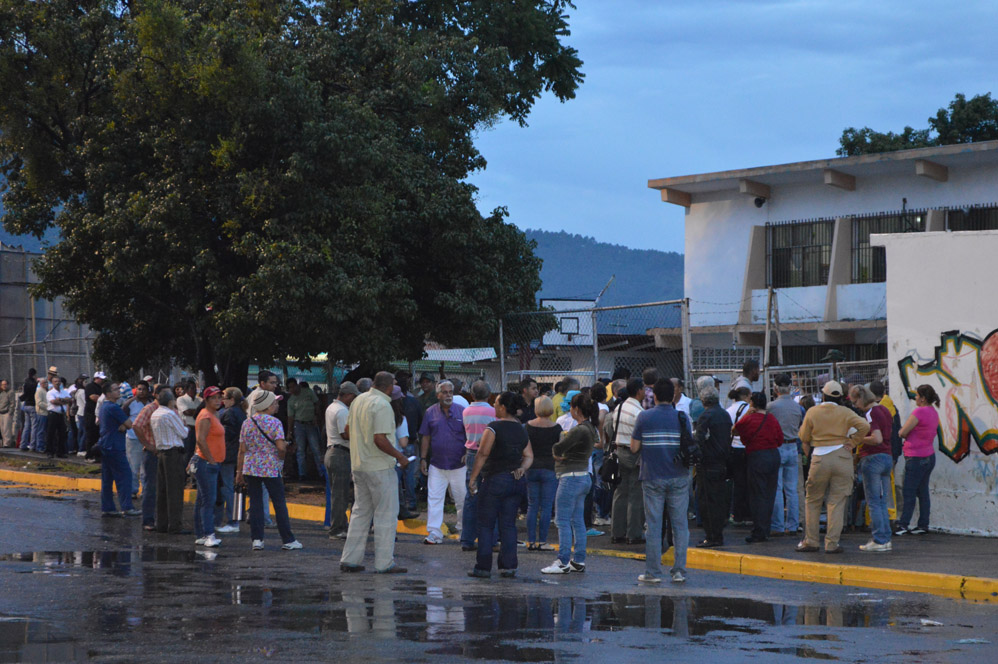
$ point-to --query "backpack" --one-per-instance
(896, 442)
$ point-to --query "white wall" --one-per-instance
(718, 227)
(941, 310)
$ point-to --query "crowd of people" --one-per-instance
(638, 455)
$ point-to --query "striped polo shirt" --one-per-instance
(477, 417)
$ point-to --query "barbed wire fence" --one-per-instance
(595, 343)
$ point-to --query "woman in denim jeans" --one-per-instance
(504, 456)
(875, 464)
(918, 432)
(571, 455)
(542, 483)
(210, 453)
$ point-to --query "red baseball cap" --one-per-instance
(211, 391)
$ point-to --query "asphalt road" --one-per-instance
(74, 587)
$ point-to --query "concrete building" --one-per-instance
(804, 229)
(34, 332)
(943, 333)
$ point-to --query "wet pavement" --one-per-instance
(74, 587)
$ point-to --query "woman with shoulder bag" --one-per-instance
(262, 448)
(762, 436)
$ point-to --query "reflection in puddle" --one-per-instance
(24, 640)
(475, 625)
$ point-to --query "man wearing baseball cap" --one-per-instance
(825, 435)
(92, 394)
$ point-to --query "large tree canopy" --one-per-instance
(963, 122)
(241, 181)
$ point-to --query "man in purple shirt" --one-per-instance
(443, 438)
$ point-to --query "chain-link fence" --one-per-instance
(70, 356)
(810, 378)
(594, 343)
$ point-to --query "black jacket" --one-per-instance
(713, 433)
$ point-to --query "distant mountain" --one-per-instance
(577, 267)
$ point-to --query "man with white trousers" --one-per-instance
(443, 438)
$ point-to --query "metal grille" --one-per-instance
(981, 218)
(798, 253)
(869, 264)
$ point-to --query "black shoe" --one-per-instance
(469, 548)
(617, 540)
(709, 544)
(507, 573)
(476, 573)
(111, 515)
(407, 515)
(752, 539)
(345, 567)
(636, 541)
(837, 549)
(394, 569)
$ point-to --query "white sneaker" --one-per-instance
(81, 454)
(557, 568)
(678, 577)
(211, 541)
(200, 541)
(648, 578)
(873, 547)
(600, 521)
(258, 545)
(227, 528)
(291, 546)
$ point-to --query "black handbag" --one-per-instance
(689, 450)
(609, 472)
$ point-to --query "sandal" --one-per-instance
(531, 546)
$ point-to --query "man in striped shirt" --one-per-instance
(477, 417)
(658, 435)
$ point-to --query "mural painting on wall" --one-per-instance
(964, 372)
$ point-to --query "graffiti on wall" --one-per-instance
(964, 372)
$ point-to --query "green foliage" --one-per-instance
(963, 122)
(238, 182)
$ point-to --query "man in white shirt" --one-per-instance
(750, 374)
(56, 426)
(681, 401)
(628, 517)
(187, 405)
(337, 459)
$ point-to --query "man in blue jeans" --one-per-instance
(114, 461)
(665, 482)
(303, 422)
(477, 417)
(789, 414)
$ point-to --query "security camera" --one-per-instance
(759, 201)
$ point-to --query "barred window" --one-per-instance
(798, 253)
(869, 264)
(984, 218)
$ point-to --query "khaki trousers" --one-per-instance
(830, 474)
(7, 428)
(376, 498)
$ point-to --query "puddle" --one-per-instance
(25, 640)
(178, 584)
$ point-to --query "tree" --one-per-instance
(963, 122)
(239, 182)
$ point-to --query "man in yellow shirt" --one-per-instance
(373, 455)
(825, 430)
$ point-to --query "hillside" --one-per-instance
(579, 267)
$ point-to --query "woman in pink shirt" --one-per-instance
(919, 433)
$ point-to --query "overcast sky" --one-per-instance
(676, 88)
